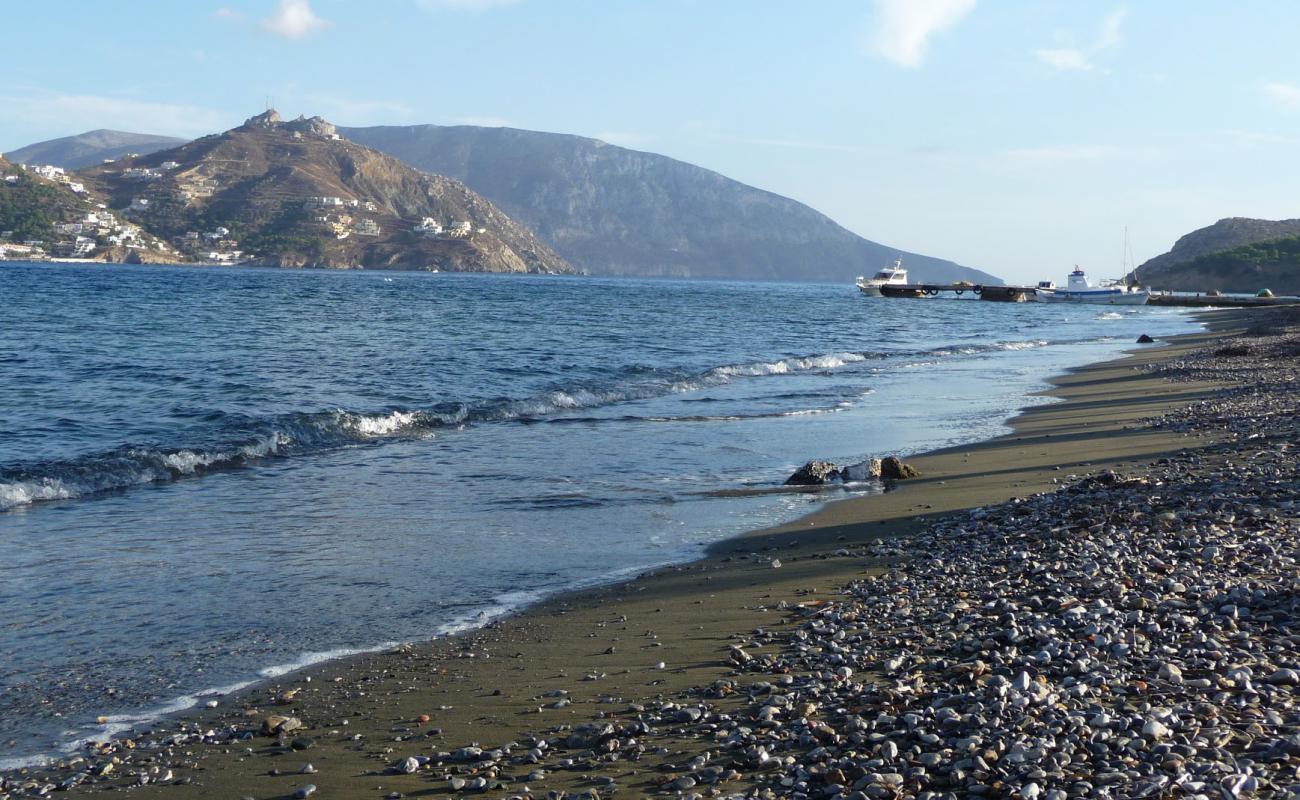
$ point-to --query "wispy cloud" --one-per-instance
(355, 111)
(1110, 31)
(226, 14)
(464, 5)
(903, 28)
(1055, 154)
(294, 19)
(1285, 96)
(1256, 137)
(79, 112)
(1064, 58)
(1069, 57)
(799, 144)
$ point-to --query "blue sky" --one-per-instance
(1019, 137)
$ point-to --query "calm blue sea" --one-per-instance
(209, 476)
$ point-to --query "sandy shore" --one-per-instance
(606, 654)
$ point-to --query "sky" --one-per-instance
(1020, 137)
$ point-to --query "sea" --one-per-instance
(213, 476)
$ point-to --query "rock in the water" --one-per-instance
(1144, 339)
(894, 468)
(814, 473)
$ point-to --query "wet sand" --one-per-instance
(641, 642)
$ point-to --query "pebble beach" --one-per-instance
(1101, 603)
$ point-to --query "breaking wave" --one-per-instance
(303, 433)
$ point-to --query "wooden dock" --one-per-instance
(1001, 294)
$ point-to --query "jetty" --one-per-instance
(1021, 294)
(1002, 294)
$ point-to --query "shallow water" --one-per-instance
(209, 476)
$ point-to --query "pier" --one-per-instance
(1001, 294)
(1021, 294)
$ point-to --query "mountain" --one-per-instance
(1236, 254)
(614, 211)
(90, 148)
(294, 193)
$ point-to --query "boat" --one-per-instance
(1078, 289)
(888, 282)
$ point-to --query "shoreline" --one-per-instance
(1101, 398)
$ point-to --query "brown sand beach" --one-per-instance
(636, 689)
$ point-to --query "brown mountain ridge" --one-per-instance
(294, 193)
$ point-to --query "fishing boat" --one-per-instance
(1078, 289)
(891, 277)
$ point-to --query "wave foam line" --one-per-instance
(300, 433)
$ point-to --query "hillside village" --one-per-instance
(182, 208)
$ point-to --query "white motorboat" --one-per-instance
(1078, 289)
(893, 276)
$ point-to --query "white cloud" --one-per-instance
(1064, 58)
(1063, 153)
(1285, 96)
(77, 112)
(294, 19)
(1250, 138)
(465, 5)
(1110, 32)
(904, 27)
(352, 111)
(226, 14)
(1068, 57)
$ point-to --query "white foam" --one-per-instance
(381, 425)
(788, 365)
(21, 493)
(308, 659)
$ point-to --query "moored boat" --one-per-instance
(1078, 289)
(892, 277)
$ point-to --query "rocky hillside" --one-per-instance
(614, 211)
(90, 148)
(1232, 255)
(293, 193)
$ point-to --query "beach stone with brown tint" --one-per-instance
(894, 468)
